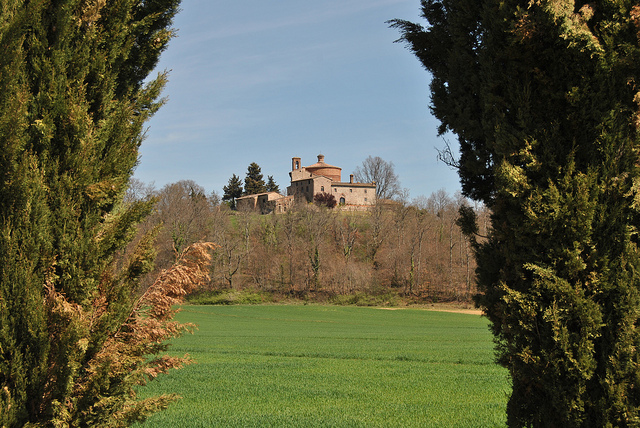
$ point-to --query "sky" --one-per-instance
(267, 80)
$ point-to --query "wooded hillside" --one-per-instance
(414, 250)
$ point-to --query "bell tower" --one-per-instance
(295, 164)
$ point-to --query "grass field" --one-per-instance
(330, 366)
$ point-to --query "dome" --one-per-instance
(321, 168)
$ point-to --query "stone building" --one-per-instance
(322, 177)
(266, 203)
(306, 182)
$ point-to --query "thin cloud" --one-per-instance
(328, 12)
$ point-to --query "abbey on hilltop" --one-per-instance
(308, 181)
(322, 177)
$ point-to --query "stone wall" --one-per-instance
(308, 187)
(356, 194)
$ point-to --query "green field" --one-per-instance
(330, 366)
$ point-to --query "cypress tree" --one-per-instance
(72, 108)
(543, 97)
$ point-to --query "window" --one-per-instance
(342, 201)
(365, 191)
(335, 190)
(365, 199)
(322, 188)
(351, 190)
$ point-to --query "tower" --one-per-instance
(295, 164)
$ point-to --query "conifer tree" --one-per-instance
(543, 97)
(232, 191)
(75, 335)
(253, 182)
(272, 186)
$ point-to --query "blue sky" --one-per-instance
(263, 81)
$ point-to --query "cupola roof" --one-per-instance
(321, 164)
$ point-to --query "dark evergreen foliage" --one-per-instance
(232, 191)
(72, 108)
(253, 182)
(543, 97)
(272, 186)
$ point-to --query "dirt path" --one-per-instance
(441, 308)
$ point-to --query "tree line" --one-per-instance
(414, 249)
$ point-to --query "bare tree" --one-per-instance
(183, 210)
(289, 228)
(229, 254)
(314, 223)
(400, 224)
(345, 230)
(376, 235)
(139, 191)
(376, 169)
(420, 223)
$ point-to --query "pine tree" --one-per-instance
(232, 191)
(74, 334)
(543, 97)
(253, 182)
(272, 186)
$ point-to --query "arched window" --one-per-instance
(342, 201)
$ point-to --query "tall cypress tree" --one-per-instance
(543, 97)
(72, 108)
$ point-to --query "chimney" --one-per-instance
(320, 158)
(351, 178)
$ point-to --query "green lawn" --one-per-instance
(330, 366)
